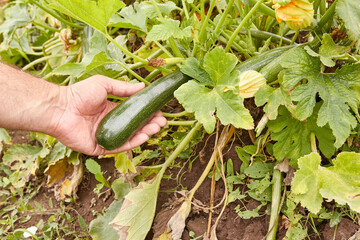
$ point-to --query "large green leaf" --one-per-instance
(334, 90)
(216, 71)
(328, 51)
(135, 217)
(166, 29)
(274, 98)
(16, 16)
(100, 229)
(341, 182)
(293, 137)
(130, 17)
(94, 13)
(349, 11)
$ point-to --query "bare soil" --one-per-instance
(230, 226)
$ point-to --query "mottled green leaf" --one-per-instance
(219, 65)
(200, 100)
(193, 68)
(165, 8)
(334, 90)
(349, 11)
(327, 51)
(274, 98)
(135, 217)
(217, 72)
(100, 229)
(24, 160)
(166, 29)
(94, 13)
(293, 136)
(340, 182)
(130, 17)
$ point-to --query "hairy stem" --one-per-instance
(275, 204)
(180, 147)
(242, 24)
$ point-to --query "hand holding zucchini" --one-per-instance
(124, 120)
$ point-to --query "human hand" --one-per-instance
(85, 105)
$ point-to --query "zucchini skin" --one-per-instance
(125, 119)
(258, 62)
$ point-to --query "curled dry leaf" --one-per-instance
(176, 223)
(64, 177)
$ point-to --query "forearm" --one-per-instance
(27, 102)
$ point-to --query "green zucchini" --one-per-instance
(258, 62)
(272, 69)
(125, 119)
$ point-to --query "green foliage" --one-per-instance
(274, 98)
(328, 51)
(349, 11)
(340, 182)
(100, 228)
(293, 136)
(195, 97)
(95, 169)
(334, 90)
(94, 13)
(166, 29)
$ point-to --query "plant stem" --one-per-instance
(127, 52)
(327, 16)
(46, 27)
(180, 147)
(204, 24)
(180, 114)
(185, 9)
(57, 16)
(264, 9)
(152, 75)
(223, 17)
(322, 7)
(46, 58)
(295, 37)
(224, 138)
(275, 204)
(242, 24)
(174, 47)
(181, 123)
(313, 142)
(132, 72)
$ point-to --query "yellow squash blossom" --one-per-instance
(250, 82)
(297, 13)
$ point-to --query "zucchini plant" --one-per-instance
(196, 52)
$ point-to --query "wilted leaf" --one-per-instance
(24, 160)
(136, 215)
(176, 224)
(64, 177)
